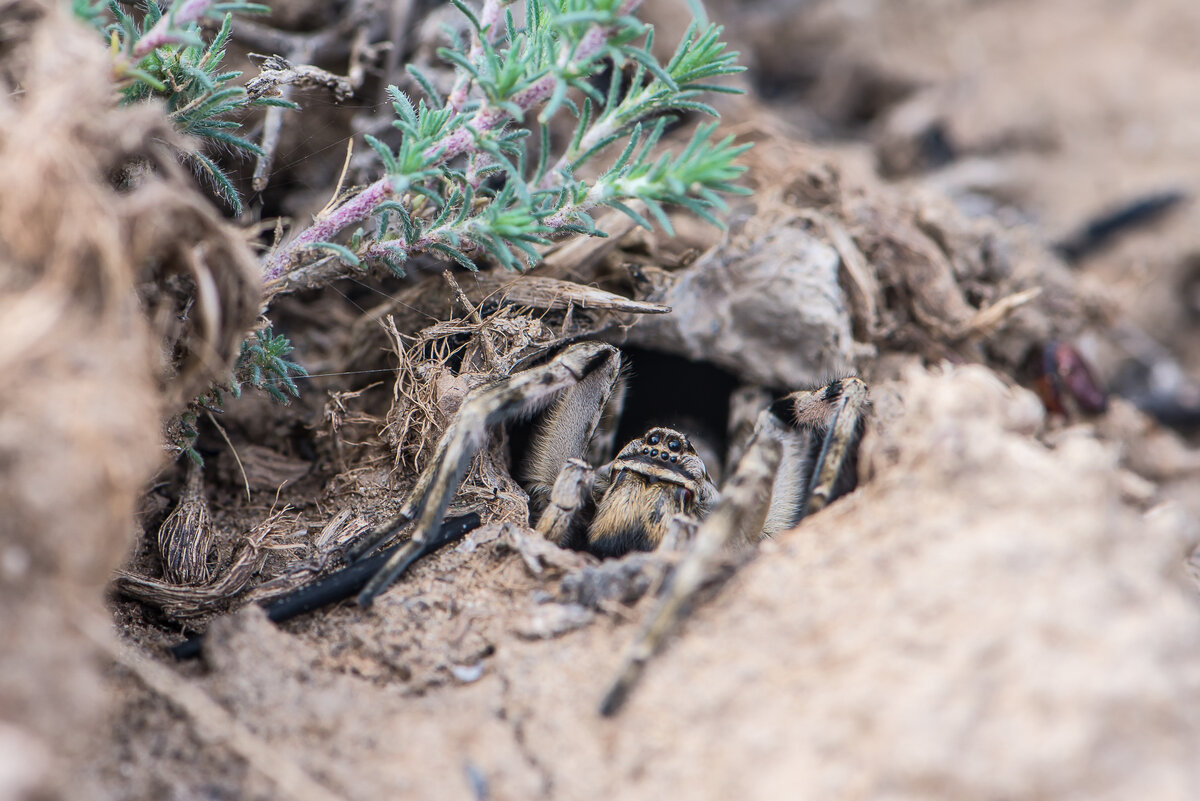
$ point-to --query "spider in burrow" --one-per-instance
(797, 456)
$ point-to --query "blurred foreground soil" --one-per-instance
(1005, 609)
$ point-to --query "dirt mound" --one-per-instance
(1036, 640)
(86, 378)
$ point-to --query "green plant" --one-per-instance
(262, 365)
(464, 182)
(470, 175)
(163, 55)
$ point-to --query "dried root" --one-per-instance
(185, 538)
(182, 602)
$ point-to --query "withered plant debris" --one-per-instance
(186, 536)
(101, 240)
(184, 602)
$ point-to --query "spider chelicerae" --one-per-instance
(797, 456)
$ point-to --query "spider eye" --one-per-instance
(653, 439)
(673, 444)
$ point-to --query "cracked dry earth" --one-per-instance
(1039, 641)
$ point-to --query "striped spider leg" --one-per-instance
(784, 475)
(580, 378)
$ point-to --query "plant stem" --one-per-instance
(327, 225)
(486, 119)
(162, 33)
(489, 19)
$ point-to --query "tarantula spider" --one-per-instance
(656, 482)
(630, 502)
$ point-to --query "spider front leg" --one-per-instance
(738, 516)
(589, 368)
(784, 475)
(571, 491)
(819, 430)
(836, 417)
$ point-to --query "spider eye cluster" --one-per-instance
(665, 446)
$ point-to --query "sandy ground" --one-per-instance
(1038, 641)
(1003, 609)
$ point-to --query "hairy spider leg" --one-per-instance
(518, 395)
(569, 428)
(604, 442)
(745, 405)
(741, 511)
(836, 415)
(833, 419)
(789, 491)
(570, 493)
(817, 467)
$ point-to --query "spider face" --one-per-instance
(654, 477)
(664, 454)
